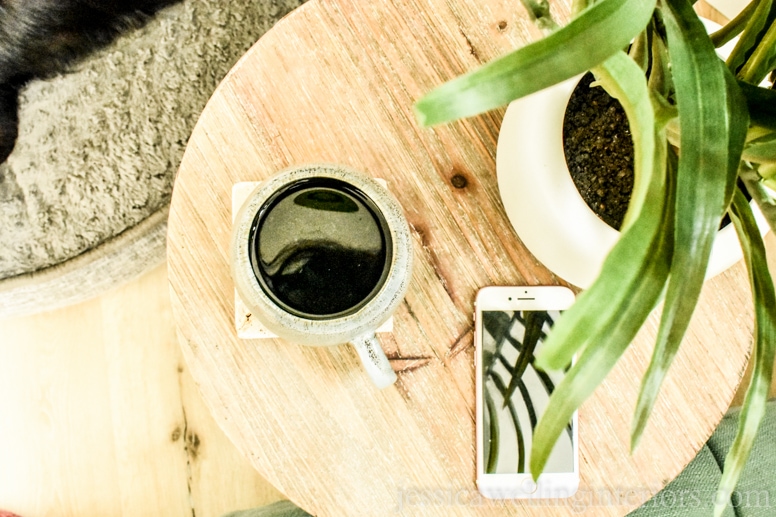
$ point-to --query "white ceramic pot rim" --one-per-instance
(543, 204)
(340, 329)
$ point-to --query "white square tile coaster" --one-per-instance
(247, 326)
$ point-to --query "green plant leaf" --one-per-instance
(660, 68)
(750, 36)
(601, 30)
(761, 103)
(539, 12)
(764, 349)
(606, 317)
(598, 305)
(711, 140)
(761, 150)
(735, 26)
(619, 78)
(762, 196)
(639, 49)
(763, 58)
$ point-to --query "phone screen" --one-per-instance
(516, 394)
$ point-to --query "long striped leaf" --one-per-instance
(734, 27)
(609, 334)
(620, 80)
(606, 317)
(755, 24)
(761, 150)
(711, 141)
(761, 103)
(596, 306)
(764, 349)
(763, 58)
(599, 32)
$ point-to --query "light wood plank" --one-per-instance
(56, 437)
(728, 8)
(710, 12)
(221, 479)
(145, 402)
(100, 416)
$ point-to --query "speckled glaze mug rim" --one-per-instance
(341, 329)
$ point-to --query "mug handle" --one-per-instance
(374, 360)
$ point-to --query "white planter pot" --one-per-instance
(543, 204)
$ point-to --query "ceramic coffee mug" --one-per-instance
(322, 255)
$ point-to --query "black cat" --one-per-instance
(42, 38)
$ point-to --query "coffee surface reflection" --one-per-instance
(320, 248)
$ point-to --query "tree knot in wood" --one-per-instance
(192, 444)
(176, 434)
(459, 181)
(502, 25)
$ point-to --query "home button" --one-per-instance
(528, 486)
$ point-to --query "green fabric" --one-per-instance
(755, 494)
(692, 493)
(279, 509)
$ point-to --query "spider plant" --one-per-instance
(699, 125)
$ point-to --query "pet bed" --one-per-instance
(85, 193)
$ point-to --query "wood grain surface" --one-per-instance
(100, 416)
(335, 82)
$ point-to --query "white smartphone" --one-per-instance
(510, 325)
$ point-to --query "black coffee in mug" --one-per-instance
(320, 248)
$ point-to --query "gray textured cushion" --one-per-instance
(99, 147)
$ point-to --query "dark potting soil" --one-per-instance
(599, 151)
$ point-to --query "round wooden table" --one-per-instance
(335, 82)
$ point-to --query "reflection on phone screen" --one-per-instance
(515, 393)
